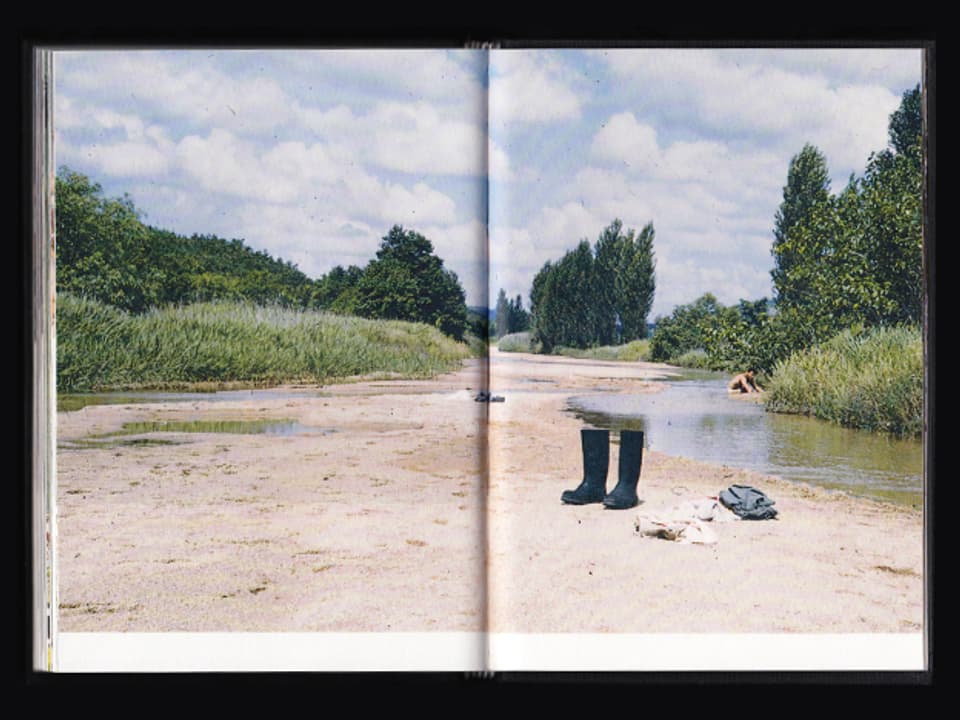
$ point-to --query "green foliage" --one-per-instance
(478, 323)
(869, 379)
(337, 290)
(854, 259)
(807, 188)
(102, 247)
(706, 334)
(698, 359)
(688, 328)
(502, 315)
(406, 281)
(100, 347)
(634, 351)
(596, 295)
(105, 252)
(906, 124)
(510, 315)
(517, 342)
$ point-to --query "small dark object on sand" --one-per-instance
(484, 396)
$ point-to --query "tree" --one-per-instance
(635, 283)
(906, 124)
(856, 259)
(689, 327)
(510, 315)
(336, 291)
(407, 281)
(519, 319)
(502, 314)
(891, 217)
(542, 308)
(582, 299)
(104, 251)
(807, 188)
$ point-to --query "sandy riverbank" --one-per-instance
(377, 520)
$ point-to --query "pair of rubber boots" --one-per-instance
(596, 462)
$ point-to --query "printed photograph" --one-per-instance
(504, 344)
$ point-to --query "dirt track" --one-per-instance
(379, 519)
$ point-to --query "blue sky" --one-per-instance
(313, 155)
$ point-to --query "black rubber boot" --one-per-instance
(596, 462)
(624, 495)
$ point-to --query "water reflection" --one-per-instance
(68, 402)
(698, 419)
(235, 427)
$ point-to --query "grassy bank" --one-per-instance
(517, 342)
(101, 348)
(629, 352)
(871, 380)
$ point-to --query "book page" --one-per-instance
(654, 214)
(271, 313)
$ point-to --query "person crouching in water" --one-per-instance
(745, 383)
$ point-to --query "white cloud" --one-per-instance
(624, 140)
(450, 77)
(293, 172)
(301, 165)
(712, 207)
(225, 164)
(837, 99)
(127, 159)
(529, 87)
(421, 204)
(299, 233)
(313, 155)
(900, 67)
(498, 163)
(177, 85)
(124, 144)
(463, 249)
(415, 138)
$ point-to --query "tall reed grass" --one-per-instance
(516, 342)
(628, 352)
(871, 380)
(100, 347)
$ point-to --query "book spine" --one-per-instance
(43, 365)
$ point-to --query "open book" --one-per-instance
(249, 459)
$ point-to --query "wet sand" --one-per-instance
(382, 517)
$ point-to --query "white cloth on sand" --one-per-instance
(685, 522)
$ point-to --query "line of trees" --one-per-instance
(596, 295)
(107, 253)
(853, 260)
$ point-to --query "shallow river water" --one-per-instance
(696, 418)
(693, 417)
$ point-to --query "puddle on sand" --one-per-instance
(120, 438)
(70, 402)
(232, 427)
(107, 443)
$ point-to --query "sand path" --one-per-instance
(382, 517)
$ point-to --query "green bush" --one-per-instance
(100, 347)
(630, 352)
(517, 342)
(871, 380)
(697, 358)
